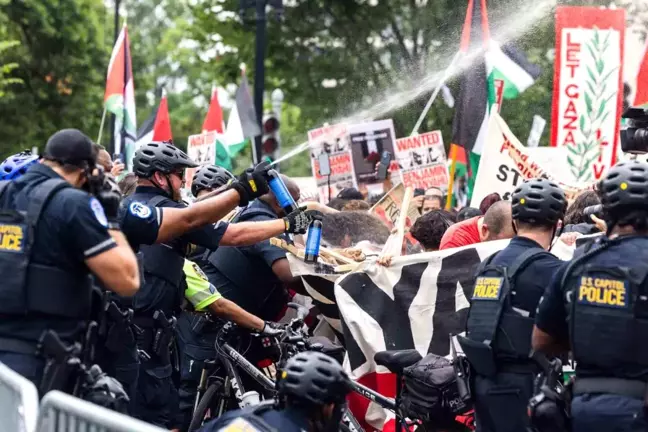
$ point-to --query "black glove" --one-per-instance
(298, 221)
(252, 183)
(272, 329)
(110, 198)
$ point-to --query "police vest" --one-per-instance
(492, 320)
(249, 273)
(162, 260)
(29, 287)
(249, 420)
(608, 310)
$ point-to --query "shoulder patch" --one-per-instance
(488, 288)
(98, 211)
(140, 210)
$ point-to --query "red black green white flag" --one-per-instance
(119, 98)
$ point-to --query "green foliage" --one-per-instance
(61, 61)
(5, 70)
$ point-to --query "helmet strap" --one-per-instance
(167, 190)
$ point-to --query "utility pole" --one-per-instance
(260, 19)
(111, 150)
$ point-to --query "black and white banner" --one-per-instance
(417, 302)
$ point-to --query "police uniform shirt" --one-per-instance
(287, 420)
(139, 222)
(263, 254)
(153, 295)
(72, 229)
(531, 282)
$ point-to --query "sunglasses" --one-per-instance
(179, 174)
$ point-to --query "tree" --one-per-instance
(61, 60)
(5, 71)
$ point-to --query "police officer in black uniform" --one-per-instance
(53, 235)
(160, 169)
(312, 389)
(597, 305)
(508, 287)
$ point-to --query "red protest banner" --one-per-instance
(588, 88)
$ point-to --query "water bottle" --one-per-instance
(313, 241)
(280, 192)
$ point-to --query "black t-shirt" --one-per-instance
(262, 256)
(72, 229)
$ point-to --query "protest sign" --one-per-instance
(422, 160)
(333, 140)
(388, 210)
(536, 131)
(505, 163)
(588, 88)
(201, 149)
(368, 141)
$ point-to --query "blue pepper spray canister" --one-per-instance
(281, 193)
(313, 239)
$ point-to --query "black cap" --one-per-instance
(71, 147)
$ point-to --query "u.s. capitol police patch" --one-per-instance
(140, 210)
(98, 211)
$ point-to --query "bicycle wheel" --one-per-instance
(206, 401)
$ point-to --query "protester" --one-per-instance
(346, 229)
(355, 205)
(488, 201)
(468, 213)
(105, 161)
(350, 194)
(496, 224)
(576, 220)
(433, 202)
(429, 228)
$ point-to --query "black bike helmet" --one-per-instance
(625, 188)
(160, 156)
(538, 201)
(313, 378)
(209, 177)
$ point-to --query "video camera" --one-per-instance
(634, 137)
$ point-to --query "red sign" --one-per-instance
(588, 88)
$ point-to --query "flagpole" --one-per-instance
(435, 93)
(453, 168)
(103, 120)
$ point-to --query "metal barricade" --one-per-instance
(60, 412)
(18, 402)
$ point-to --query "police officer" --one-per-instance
(260, 271)
(160, 169)
(53, 234)
(17, 165)
(312, 389)
(597, 304)
(508, 287)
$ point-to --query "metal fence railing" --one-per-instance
(60, 412)
(18, 402)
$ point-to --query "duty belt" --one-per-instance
(617, 386)
(17, 346)
(156, 335)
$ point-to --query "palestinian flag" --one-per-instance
(162, 126)
(145, 132)
(214, 123)
(504, 73)
(641, 95)
(119, 98)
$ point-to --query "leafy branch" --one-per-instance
(597, 97)
(6, 69)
